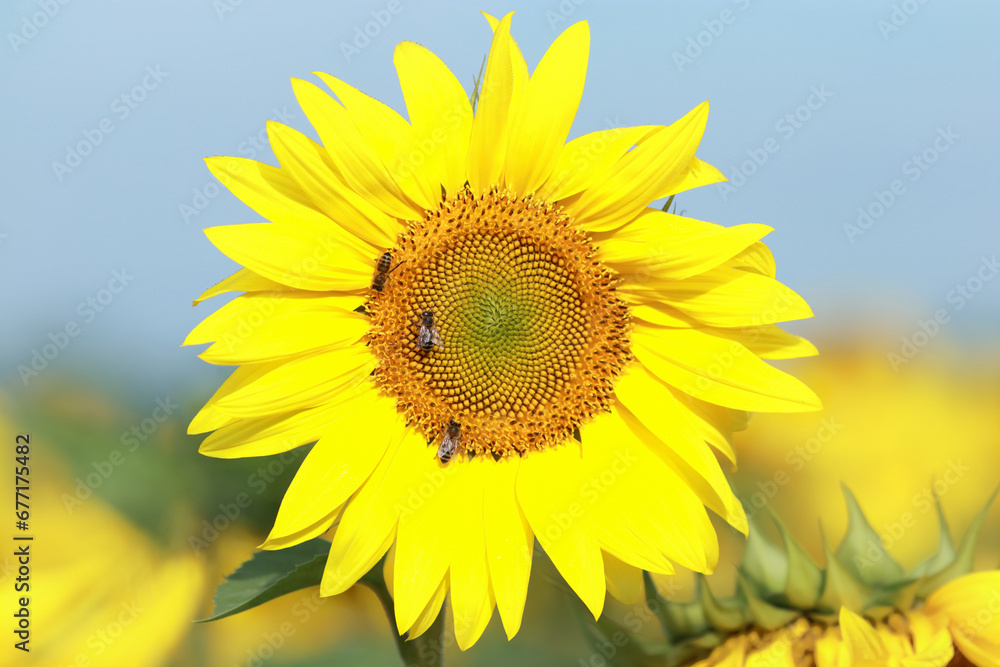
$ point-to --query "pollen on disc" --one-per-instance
(532, 331)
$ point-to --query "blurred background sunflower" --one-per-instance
(862, 132)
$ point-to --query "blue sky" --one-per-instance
(817, 111)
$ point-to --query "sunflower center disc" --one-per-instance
(532, 332)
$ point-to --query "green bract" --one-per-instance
(778, 583)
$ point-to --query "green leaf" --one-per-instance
(268, 575)
(861, 551)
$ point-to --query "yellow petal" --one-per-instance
(509, 543)
(545, 114)
(270, 435)
(305, 382)
(831, 651)
(264, 326)
(777, 653)
(490, 127)
(549, 493)
(355, 161)
(667, 246)
(585, 161)
(652, 311)
(719, 371)
(316, 173)
(932, 643)
(392, 139)
(243, 280)
(624, 582)
(368, 525)
(676, 441)
(757, 257)
(472, 598)
(295, 256)
(210, 417)
(862, 641)
(656, 166)
(972, 606)
(725, 297)
(767, 341)
(339, 463)
(430, 612)
(643, 512)
(443, 519)
(275, 195)
(697, 174)
(731, 654)
(319, 524)
(440, 114)
(713, 423)
(519, 66)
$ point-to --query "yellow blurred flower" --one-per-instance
(102, 593)
(895, 438)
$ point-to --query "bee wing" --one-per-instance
(446, 448)
(436, 338)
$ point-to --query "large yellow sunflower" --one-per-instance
(469, 286)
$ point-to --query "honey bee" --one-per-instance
(428, 335)
(449, 441)
(382, 270)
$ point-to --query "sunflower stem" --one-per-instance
(427, 650)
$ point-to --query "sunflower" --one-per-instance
(862, 609)
(491, 337)
(957, 628)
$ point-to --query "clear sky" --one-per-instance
(817, 110)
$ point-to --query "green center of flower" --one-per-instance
(501, 319)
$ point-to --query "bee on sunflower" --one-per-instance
(491, 337)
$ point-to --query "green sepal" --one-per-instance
(726, 615)
(878, 612)
(906, 596)
(268, 575)
(946, 547)
(840, 588)
(656, 601)
(763, 613)
(765, 564)
(629, 650)
(683, 619)
(805, 578)
(860, 544)
(962, 563)
(476, 80)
